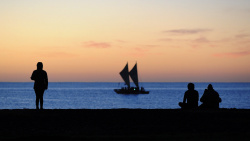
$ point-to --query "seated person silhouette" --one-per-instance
(210, 99)
(191, 98)
(41, 83)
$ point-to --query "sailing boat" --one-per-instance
(134, 76)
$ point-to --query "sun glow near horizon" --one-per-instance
(91, 41)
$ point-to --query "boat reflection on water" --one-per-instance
(134, 76)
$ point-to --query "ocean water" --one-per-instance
(78, 95)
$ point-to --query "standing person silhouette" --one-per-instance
(41, 83)
(191, 98)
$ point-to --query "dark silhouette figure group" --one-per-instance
(41, 83)
(210, 98)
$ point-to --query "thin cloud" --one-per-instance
(121, 41)
(244, 42)
(194, 43)
(93, 44)
(187, 31)
(202, 40)
(232, 54)
(242, 36)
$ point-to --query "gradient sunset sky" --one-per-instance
(92, 40)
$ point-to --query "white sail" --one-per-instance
(125, 75)
(134, 75)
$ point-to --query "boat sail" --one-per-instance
(125, 75)
(134, 76)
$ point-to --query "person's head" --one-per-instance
(190, 86)
(210, 87)
(39, 66)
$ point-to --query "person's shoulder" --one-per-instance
(190, 92)
(187, 91)
(44, 72)
(216, 92)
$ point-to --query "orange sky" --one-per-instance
(91, 41)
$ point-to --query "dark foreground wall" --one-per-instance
(125, 124)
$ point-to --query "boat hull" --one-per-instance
(130, 91)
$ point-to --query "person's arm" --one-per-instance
(202, 97)
(219, 99)
(185, 98)
(197, 96)
(33, 76)
(46, 80)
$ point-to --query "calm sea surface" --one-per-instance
(67, 95)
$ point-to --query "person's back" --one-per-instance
(210, 98)
(40, 77)
(192, 97)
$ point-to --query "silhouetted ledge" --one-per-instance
(125, 124)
